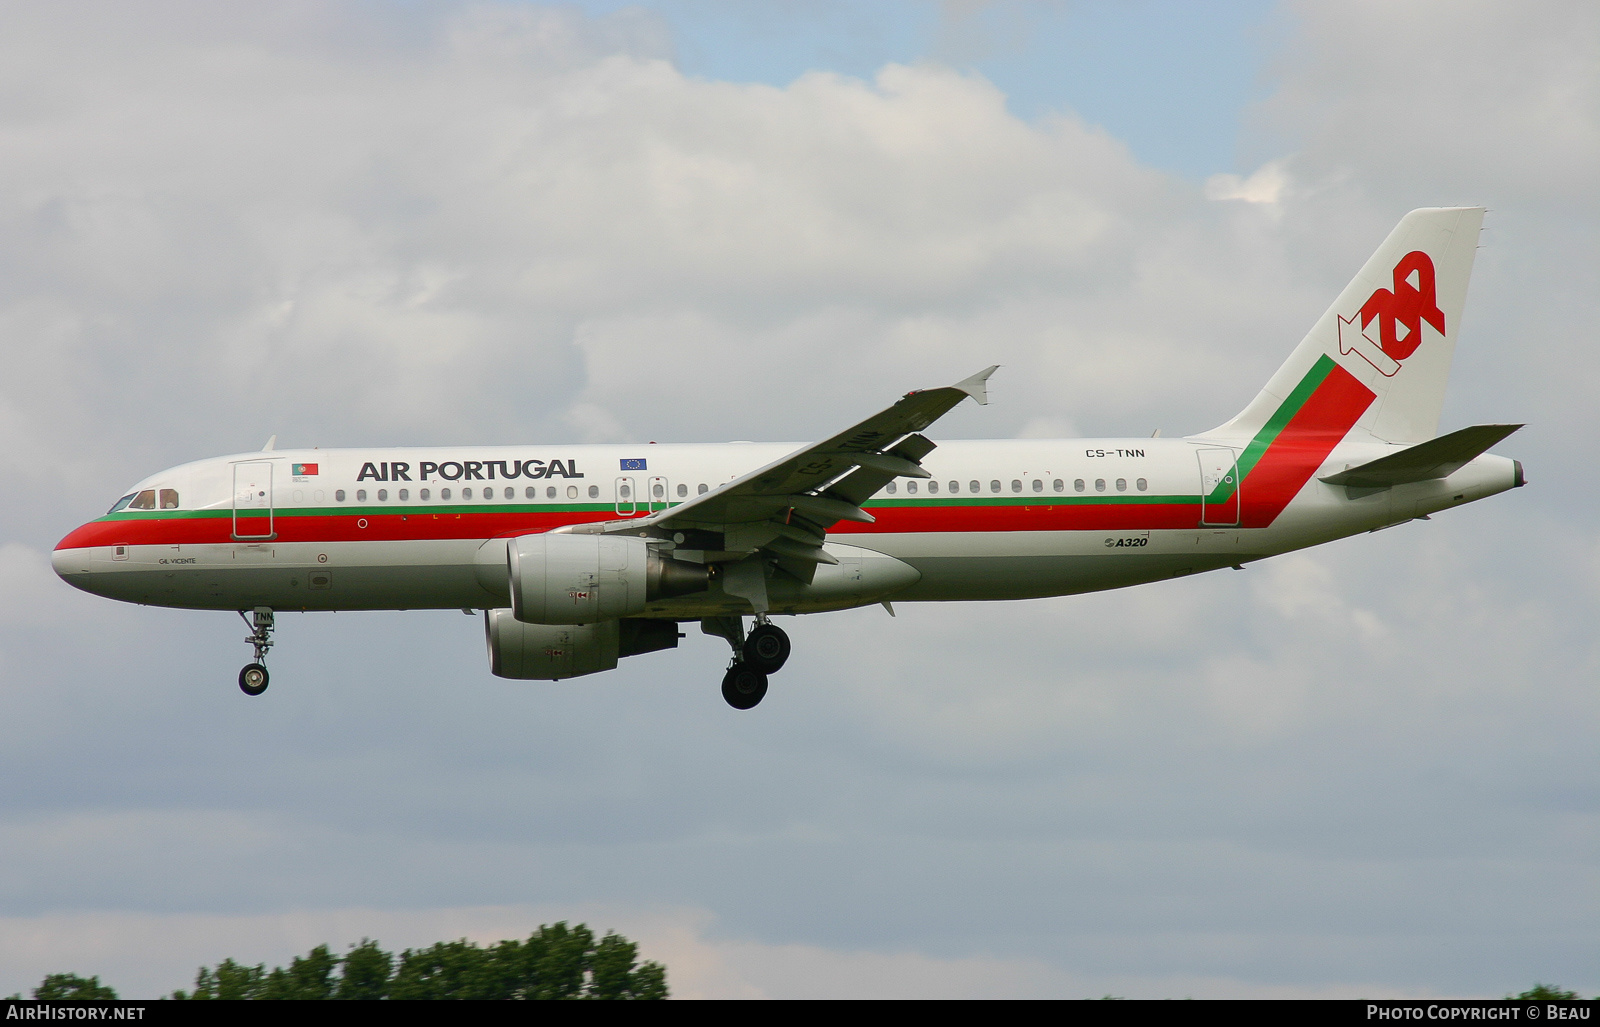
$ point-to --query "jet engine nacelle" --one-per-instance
(585, 579)
(550, 652)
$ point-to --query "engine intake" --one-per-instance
(586, 579)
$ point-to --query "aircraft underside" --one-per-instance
(287, 586)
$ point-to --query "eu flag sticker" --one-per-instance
(634, 464)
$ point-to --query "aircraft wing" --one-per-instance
(787, 507)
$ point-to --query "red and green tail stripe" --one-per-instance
(1295, 441)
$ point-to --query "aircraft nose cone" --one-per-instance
(70, 563)
(77, 559)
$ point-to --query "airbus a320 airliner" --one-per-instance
(581, 555)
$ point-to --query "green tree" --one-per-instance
(71, 987)
(616, 974)
(557, 961)
(229, 981)
(307, 978)
(557, 958)
(366, 972)
(1541, 992)
(445, 970)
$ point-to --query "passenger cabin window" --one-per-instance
(702, 489)
(1059, 485)
(911, 487)
(974, 488)
(424, 493)
(145, 500)
(1099, 484)
(361, 495)
(338, 495)
(572, 492)
(1038, 485)
(955, 487)
(169, 499)
(405, 494)
(444, 493)
(1077, 485)
(466, 493)
(890, 488)
(1141, 485)
(550, 492)
(530, 492)
(933, 488)
(594, 491)
(683, 491)
(1122, 484)
(383, 495)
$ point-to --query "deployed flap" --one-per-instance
(1436, 458)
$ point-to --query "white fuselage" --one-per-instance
(1004, 519)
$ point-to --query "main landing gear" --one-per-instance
(764, 651)
(253, 678)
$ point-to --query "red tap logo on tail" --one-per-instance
(1412, 303)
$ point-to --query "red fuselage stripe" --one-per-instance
(477, 524)
(1302, 446)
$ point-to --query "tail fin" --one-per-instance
(1388, 340)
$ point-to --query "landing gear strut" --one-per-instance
(762, 652)
(253, 678)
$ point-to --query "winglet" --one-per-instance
(977, 385)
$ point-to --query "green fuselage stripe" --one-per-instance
(1274, 427)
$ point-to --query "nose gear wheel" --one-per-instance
(253, 677)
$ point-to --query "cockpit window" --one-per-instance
(145, 500)
(121, 504)
(169, 499)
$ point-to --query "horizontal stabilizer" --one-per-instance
(1436, 458)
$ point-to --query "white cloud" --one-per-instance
(1266, 184)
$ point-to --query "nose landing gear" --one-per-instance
(763, 652)
(253, 678)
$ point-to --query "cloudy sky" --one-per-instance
(1368, 769)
